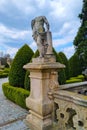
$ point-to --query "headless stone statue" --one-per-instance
(42, 35)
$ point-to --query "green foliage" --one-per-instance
(58, 59)
(79, 78)
(80, 40)
(65, 62)
(3, 75)
(36, 54)
(61, 73)
(17, 73)
(73, 81)
(75, 66)
(17, 95)
(27, 78)
(6, 65)
(4, 72)
(27, 81)
(83, 15)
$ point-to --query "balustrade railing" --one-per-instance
(70, 110)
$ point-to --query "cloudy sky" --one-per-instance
(15, 23)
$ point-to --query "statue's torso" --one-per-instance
(39, 25)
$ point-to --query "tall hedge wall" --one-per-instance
(17, 73)
(66, 63)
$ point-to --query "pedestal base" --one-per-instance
(44, 79)
(36, 122)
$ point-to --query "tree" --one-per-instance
(61, 73)
(80, 40)
(36, 54)
(27, 81)
(17, 73)
(65, 62)
(75, 66)
(27, 78)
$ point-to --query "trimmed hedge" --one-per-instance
(27, 81)
(15, 94)
(6, 70)
(81, 77)
(3, 75)
(61, 73)
(66, 63)
(78, 77)
(75, 65)
(73, 80)
(17, 73)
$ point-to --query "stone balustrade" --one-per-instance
(70, 110)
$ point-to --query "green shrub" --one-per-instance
(3, 75)
(36, 54)
(81, 77)
(65, 62)
(27, 78)
(78, 77)
(17, 73)
(15, 94)
(27, 81)
(6, 70)
(73, 80)
(6, 65)
(75, 66)
(61, 73)
(1, 72)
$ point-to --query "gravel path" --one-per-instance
(11, 115)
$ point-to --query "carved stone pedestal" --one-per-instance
(43, 77)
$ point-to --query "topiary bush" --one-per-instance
(81, 77)
(17, 95)
(73, 80)
(17, 73)
(27, 81)
(75, 66)
(66, 63)
(61, 73)
(36, 54)
(27, 78)
(4, 72)
(3, 75)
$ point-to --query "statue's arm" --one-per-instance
(46, 22)
(32, 23)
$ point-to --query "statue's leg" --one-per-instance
(45, 46)
(40, 46)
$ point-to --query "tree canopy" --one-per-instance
(80, 40)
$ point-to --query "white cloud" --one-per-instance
(62, 41)
(12, 51)
(5, 49)
(12, 33)
(33, 46)
(65, 9)
(61, 14)
(25, 7)
(68, 51)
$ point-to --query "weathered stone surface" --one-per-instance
(42, 35)
(70, 110)
(43, 76)
(80, 88)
